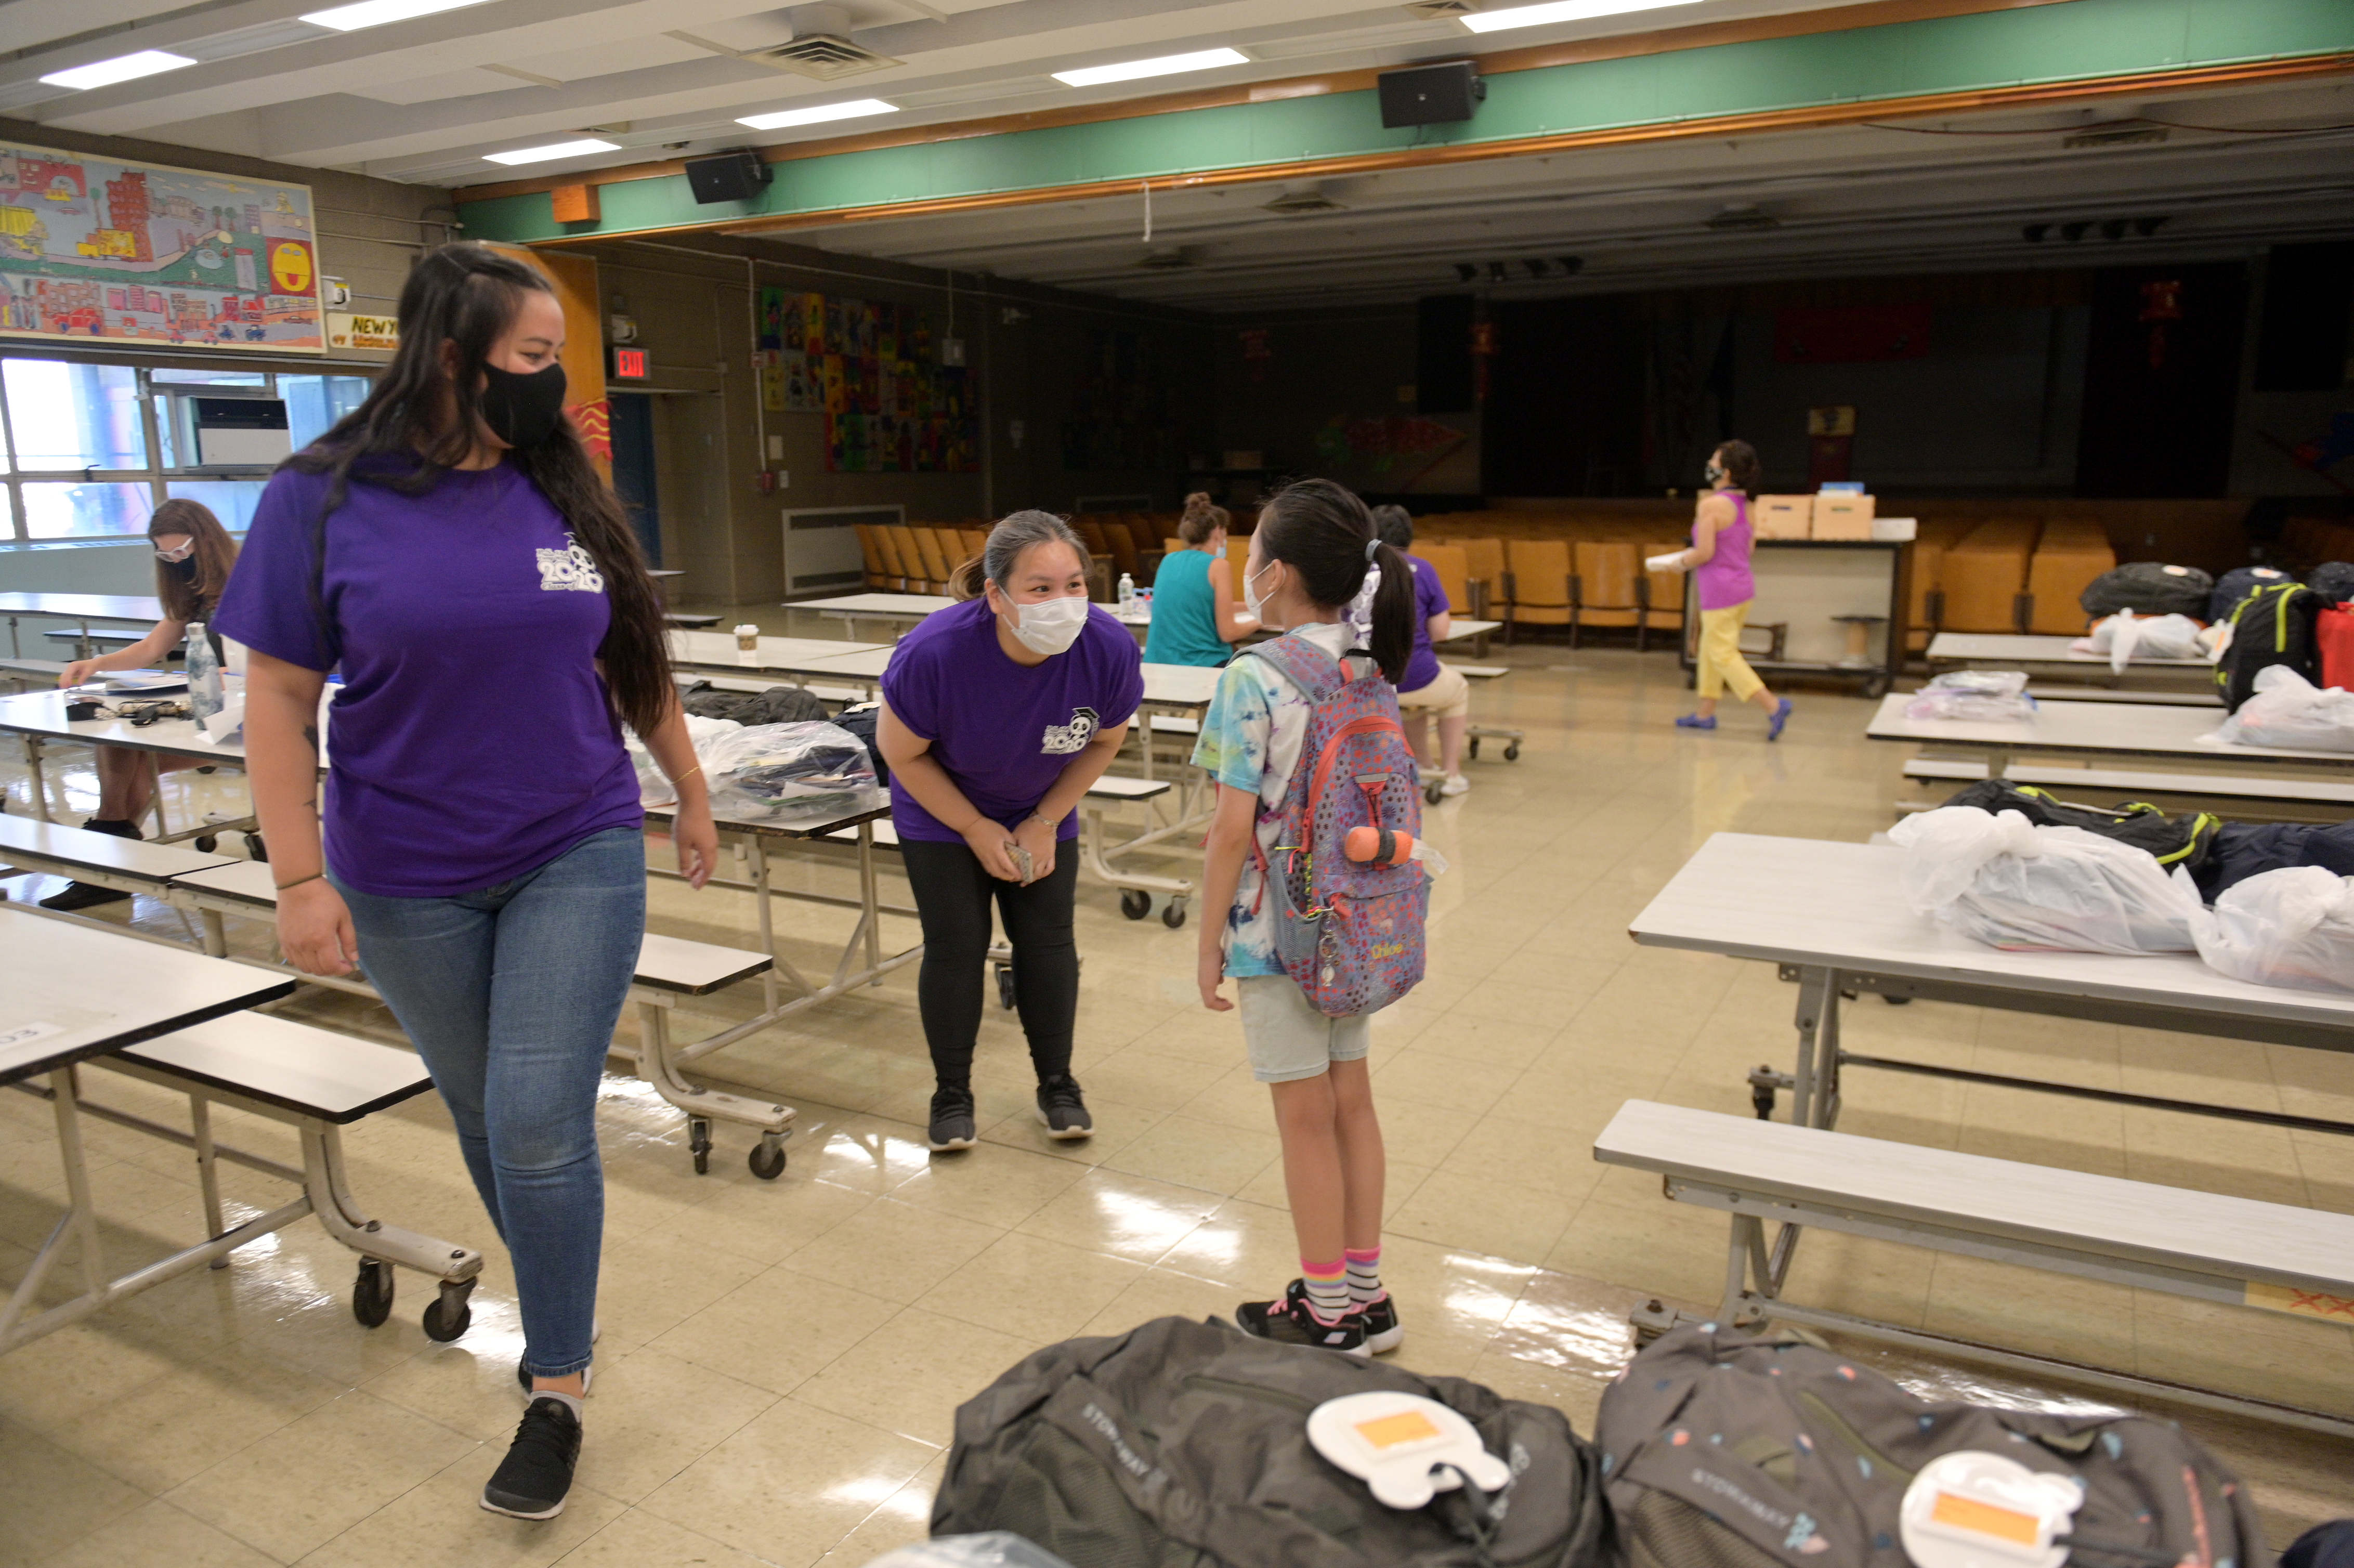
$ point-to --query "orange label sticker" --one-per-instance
(1386, 1432)
(1980, 1518)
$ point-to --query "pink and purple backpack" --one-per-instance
(1350, 932)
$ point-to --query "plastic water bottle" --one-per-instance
(1126, 593)
(204, 674)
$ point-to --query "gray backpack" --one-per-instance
(1731, 1449)
(1184, 1445)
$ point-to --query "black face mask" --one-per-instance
(185, 571)
(521, 410)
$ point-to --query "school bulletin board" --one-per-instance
(872, 369)
(94, 248)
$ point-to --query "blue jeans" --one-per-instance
(510, 995)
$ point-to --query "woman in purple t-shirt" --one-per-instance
(1719, 563)
(450, 548)
(998, 713)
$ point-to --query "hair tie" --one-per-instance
(1371, 546)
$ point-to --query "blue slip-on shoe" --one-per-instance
(1694, 721)
(1781, 716)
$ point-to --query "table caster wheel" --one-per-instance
(1174, 916)
(1005, 987)
(1512, 752)
(206, 843)
(1472, 745)
(256, 848)
(1896, 1000)
(1431, 794)
(1762, 1085)
(449, 1314)
(1135, 903)
(698, 1142)
(371, 1292)
(207, 768)
(766, 1160)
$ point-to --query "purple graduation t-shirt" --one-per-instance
(472, 740)
(1005, 731)
(1429, 599)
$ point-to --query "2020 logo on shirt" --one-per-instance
(1063, 739)
(571, 567)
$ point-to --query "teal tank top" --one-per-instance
(1185, 613)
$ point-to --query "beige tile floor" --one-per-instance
(780, 1361)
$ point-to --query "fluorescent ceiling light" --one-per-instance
(122, 68)
(855, 108)
(1562, 11)
(377, 13)
(1167, 65)
(553, 150)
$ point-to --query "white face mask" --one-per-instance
(1254, 606)
(1051, 625)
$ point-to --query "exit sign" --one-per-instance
(630, 365)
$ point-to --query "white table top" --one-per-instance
(44, 714)
(880, 605)
(70, 991)
(805, 824)
(1811, 901)
(129, 608)
(2036, 651)
(717, 651)
(2126, 729)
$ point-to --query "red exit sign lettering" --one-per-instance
(630, 365)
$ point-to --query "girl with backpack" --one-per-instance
(1304, 742)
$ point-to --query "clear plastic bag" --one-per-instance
(996, 1549)
(2124, 635)
(765, 769)
(1999, 879)
(654, 785)
(2290, 711)
(1979, 697)
(2294, 928)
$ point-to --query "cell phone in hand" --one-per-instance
(1023, 863)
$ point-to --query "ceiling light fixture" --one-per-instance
(783, 117)
(122, 68)
(553, 150)
(1167, 65)
(377, 13)
(1559, 11)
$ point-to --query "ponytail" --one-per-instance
(1393, 616)
(1202, 518)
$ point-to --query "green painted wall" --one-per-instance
(2079, 40)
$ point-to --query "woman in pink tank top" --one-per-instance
(1719, 561)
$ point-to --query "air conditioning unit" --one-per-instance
(821, 552)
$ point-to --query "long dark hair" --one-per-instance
(1013, 537)
(1321, 530)
(1739, 460)
(420, 422)
(192, 598)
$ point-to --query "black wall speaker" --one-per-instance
(1431, 95)
(731, 177)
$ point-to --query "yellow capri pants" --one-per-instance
(1721, 663)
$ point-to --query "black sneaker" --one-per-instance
(952, 1120)
(1060, 1110)
(531, 1481)
(1383, 1331)
(1290, 1322)
(83, 896)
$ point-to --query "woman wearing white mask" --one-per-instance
(997, 716)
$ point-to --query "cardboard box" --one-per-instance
(1782, 517)
(1842, 516)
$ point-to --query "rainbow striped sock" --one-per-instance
(1364, 1274)
(1328, 1288)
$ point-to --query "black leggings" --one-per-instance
(952, 898)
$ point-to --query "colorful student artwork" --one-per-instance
(92, 247)
(890, 406)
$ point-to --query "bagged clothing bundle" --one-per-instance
(1728, 1448)
(771, 767)
(2273, 626)
(2332, 582)
(2236, 585)
(2333, 645)
(2005, 882)
(863, 722)
(2292, 927)
(1184, 1445)
(2287, 710)
(654, 787)
(776, 705)
(2188, 840)
(1977, 696)
(2125, 635)
(2147, 587)
(2243, 850)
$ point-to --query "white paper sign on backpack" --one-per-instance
(1971, 1508)
(1406, 1447)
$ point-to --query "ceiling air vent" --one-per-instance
(826, 57)
(1442, 10)
(1743, 216)
(2124, 136)
(1302, 203)
(1165, 260)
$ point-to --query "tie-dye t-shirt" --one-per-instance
(1250, 740)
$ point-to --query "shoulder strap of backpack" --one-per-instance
(1304, 665)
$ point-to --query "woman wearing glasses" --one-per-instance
(193, 555)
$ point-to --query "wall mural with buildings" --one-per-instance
(91, 247)
(874, 372)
